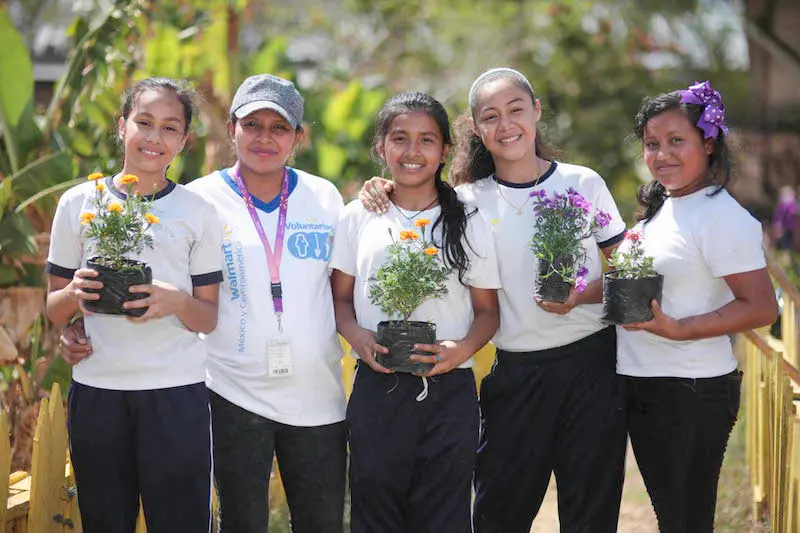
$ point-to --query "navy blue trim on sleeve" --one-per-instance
(612, 241)
(201, 280)
(61, 272)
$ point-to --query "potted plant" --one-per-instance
(631, 284)
(118, 230)
(411, 274)
(562, 222)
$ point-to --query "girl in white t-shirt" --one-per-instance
(413, 438)
(553, 401)
(273, 363)
(138, 405)
(682, 381)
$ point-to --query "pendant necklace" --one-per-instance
(518, 208)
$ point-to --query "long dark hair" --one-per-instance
(472, 160)
(453, 217)
(182, 92)
(652, 195)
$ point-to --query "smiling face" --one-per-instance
(413, 149)
(505, 118)
(153, 133)
(264, 141)
(676, 153)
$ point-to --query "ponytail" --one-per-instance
(650, 197)
(453, 218)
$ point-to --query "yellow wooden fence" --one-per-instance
(44, 501)
(772, 386)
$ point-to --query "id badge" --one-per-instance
(279, 359)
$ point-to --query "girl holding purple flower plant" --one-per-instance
(682, 378)
(553, 401)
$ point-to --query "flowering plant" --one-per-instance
(410, 275)
(630, 262)
(118, 228)
(562, 222)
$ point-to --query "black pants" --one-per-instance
(559, 410)
(312, 462)
(153, 443)
(411, 462)
(679, 429)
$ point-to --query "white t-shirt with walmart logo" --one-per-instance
(237, 365)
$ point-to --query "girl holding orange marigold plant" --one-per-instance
(139, 423)
(413, 436)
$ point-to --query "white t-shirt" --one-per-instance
(524, 326)
(159, 353)
(695, 241)
(237, 363)
(360, 251)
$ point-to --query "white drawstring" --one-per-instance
(424, 394)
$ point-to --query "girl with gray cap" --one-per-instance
(553, 402)
(273, 362)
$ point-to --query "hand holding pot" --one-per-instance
(661, 325)
(447, 355)
(365, 346)
(74, 345)
(82, 280)
(560, 308)
(163, 300)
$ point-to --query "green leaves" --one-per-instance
(16, 89)
(411, 274)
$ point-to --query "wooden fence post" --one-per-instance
(5, 467)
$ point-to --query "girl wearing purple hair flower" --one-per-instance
(553, 401)
(682, 378)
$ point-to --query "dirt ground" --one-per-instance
(636, 514)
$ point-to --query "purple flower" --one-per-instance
(603, 219)
(580, 284)
(572, 192)
(559, 196)
(538, 194)
(578, 201)
(582, 272)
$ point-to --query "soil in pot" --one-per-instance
(552, 287)
(400, 337)
(115, 287)
(626, 301)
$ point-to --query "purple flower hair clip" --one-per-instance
(713, 118)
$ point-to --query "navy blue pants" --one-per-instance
(312, 462)
(552, 411)
(679, 430)
(411, 462)
(153, 443)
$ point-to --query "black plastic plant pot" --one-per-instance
(552, 287)
(626, 301)
(115, 287)
(400, 337)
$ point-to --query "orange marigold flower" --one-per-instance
(87, 217)
(129, 179)
(100, 187)
(95, 176)
(115, 207)
(431, 251)
(421, 223)
(151, 219)
(406, 235)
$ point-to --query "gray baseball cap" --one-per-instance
(266, 91)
